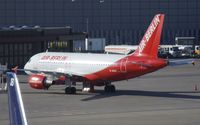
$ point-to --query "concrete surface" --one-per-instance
(164, 97)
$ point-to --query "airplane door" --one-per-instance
(123, 65)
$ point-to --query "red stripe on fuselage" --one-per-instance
(126, 68)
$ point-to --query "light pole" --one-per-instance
(87, 31)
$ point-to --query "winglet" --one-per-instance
(151, 39)
(16, 108)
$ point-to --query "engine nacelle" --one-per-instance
(38, 81)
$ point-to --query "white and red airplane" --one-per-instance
(48, 68)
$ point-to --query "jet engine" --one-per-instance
(38, 81)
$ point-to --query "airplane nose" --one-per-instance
(25, 66)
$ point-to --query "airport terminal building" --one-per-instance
(119, 21)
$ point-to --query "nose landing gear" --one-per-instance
(69, 89)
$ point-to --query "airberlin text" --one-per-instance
(54, 58)
(149, 33)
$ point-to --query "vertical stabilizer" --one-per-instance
(16, 107)
(151, 39)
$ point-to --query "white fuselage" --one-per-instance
(71, 63)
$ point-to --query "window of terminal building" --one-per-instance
(59, 46)
(15, 53)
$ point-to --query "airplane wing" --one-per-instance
(16, 108)
(178, 62)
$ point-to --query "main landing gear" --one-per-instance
(70, 90)
(89, 87)
(109, 88)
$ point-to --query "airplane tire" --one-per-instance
(67, 90)
(70, 90)
(110, 89)
(73, 90)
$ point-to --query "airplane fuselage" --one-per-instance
(94, 67)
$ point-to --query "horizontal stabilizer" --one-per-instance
(181, 62)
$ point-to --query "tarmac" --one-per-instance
(170, 96)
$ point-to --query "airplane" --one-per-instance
(16, 108)
(49, 68)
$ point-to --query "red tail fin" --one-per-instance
(151, 39)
